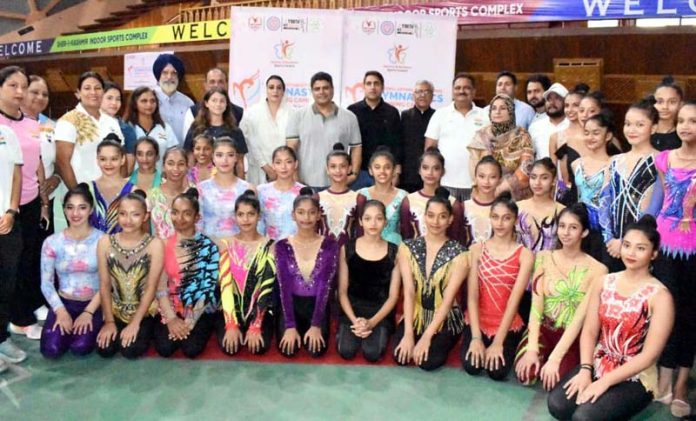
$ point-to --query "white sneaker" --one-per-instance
(31, 331)
(11, 353)
(41, 313)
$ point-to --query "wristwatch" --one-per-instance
(13, 212)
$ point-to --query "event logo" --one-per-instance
(387, 27)
(255, 23)
(295, 25)
(284, 50)
(408, 29)
(247, 89)
(273, 23)
(369, 26)
(397, 55)
(355, 91)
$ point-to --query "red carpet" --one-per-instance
(213, 352)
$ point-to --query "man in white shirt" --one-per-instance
(506, 83)
(541, 130)
(451, 129)
(173, 105)
(537, 84)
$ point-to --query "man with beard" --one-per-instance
(214, 78)
(506, 83)
(536, 86)
(169, 71)
(451, 129)
(554, 120)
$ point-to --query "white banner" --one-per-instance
(404, 49)
(137, 70)
(292, 43)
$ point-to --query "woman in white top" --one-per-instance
(77, 134)
(264, 130)
(143, 114)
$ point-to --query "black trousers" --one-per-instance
(440, 346)
(512, 339)
(679, 276)
(192, 346)
(304, 308)
(620, 402)
(267, 328)
(138, 347)
(10, 252)
(28, 296)
(372, 347)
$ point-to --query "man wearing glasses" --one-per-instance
(414, 121)
(451, 129)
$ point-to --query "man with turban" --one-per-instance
(169, 71)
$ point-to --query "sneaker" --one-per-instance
(41, 313)
(31, 331)
(11, 352)
(3, 366)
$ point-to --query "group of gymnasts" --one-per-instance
(589, 298)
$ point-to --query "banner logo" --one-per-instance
(248, 88)
(355, 91)
(397, 55)
(369, 26)
(387, 27)
(284, 50)
(255, 23)
(273, 23)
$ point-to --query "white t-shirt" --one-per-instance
(10, 155)
(540, 131)
(164, 136)
(453, 132)
(84, 158)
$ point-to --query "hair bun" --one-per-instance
(581, 88)
(192, 192)
(112, 136)
(667, 80)
(506, 195)
(82, 187)
(432, 149)
(140, 193)
(647, 221)
(338, 146)
(249, 193)
(383, 148)
(306, 191)
(442, 192)
(649, 100)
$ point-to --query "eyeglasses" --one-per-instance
(420, 92)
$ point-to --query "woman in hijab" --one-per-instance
(510, 145)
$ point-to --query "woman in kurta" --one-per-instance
(676, 223)
(130, 264)
(381, 167)
(188, 293)
(510, 145)
(109, 189)
(78, 133)
(432, 268)
(277, 196)
(159, 199)
(368, 289)
(306, 264)
(500, 270)
(338, 202)
(431, 169)
(560, 281)
(264, 130)
(247, 281)
(632, 176)
(75, 317)
(629, 317)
